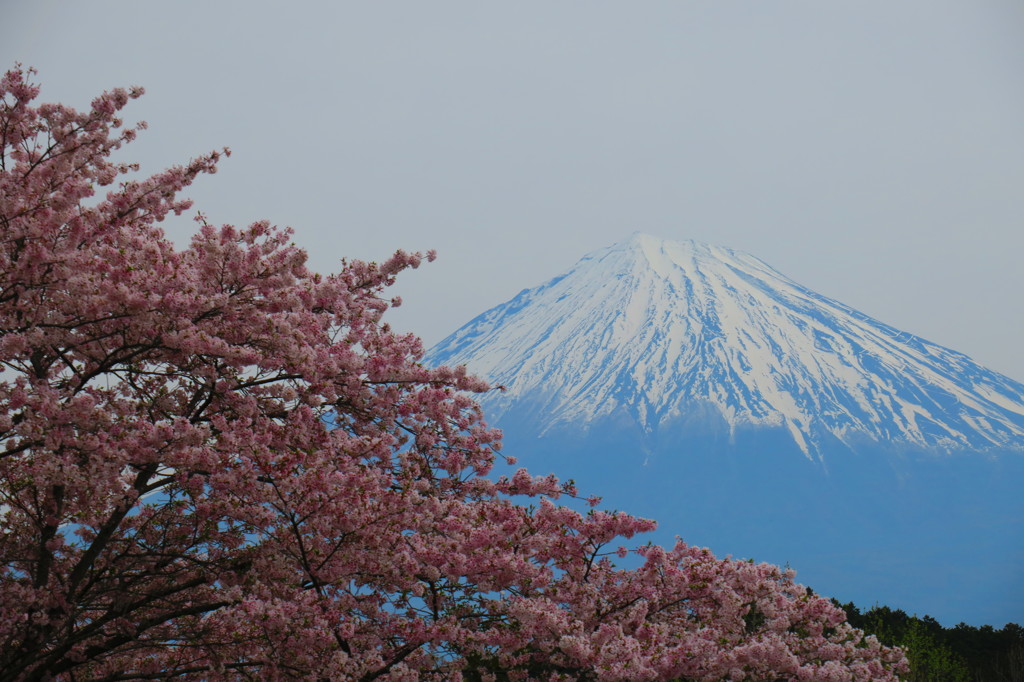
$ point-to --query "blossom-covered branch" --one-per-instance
(216, 464)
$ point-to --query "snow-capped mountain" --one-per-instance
(676, 335)
(697, 386)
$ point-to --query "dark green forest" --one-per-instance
(962, 653)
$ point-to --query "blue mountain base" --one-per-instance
(936, 534)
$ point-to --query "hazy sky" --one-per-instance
(872, 150)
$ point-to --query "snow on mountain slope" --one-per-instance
(658, 330)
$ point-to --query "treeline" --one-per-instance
(963, 653)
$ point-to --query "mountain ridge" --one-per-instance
(655, 329)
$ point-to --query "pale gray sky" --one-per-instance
(872, 150)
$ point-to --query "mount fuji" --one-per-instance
(697, 385)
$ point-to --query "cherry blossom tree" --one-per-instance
(216, 464)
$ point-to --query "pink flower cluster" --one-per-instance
(215, 464)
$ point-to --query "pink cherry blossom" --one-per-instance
(218, 465)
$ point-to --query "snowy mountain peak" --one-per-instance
(659, 332)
